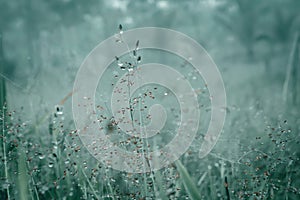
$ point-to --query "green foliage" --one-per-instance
(188, 182)
(42, 156)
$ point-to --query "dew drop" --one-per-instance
(130, 69)
(59, 110)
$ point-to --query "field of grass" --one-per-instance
(256, 48)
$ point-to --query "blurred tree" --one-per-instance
(34, 16)
(265, 28)
(240, 17)
(285, 22)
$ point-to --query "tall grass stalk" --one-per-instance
(33, 184)
(188, 183)
(3, 104)
(159, 188)
(4, 153)
(22, 176)
(291, 67)
(90, 184)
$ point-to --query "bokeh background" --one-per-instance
(255, 45)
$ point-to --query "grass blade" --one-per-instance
(188, 183)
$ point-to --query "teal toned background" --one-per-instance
(255, 45)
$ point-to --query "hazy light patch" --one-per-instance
(211, 3)
(128, 20)
(119, 4)
(162, 5)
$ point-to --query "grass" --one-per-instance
(188, 183)
(56, 166)
(291, 79)
(41, 163)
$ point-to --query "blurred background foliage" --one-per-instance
(40, 37)
(254, 43)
